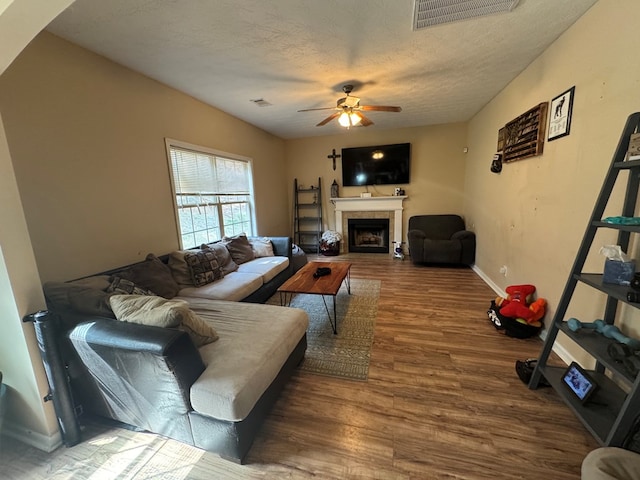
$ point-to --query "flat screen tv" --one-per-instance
(377, 165)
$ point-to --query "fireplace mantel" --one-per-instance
(371, 204)
(368, 204)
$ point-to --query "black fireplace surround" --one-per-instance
(368, 235)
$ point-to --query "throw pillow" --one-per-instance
(179, 268)
(200, 331)
(160, 312)
(262, 247)
(203, 266)
(224, 257)
(153, 275)
(61, 296)
(153, 311)
(239, 248)
(126, 287)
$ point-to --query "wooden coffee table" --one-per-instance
(304, 282)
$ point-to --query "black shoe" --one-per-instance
(524, 369)
(622, 354)
(632, 365)
(619, 351)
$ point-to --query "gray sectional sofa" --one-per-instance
(210, 394)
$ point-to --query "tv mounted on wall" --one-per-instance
(377, 165)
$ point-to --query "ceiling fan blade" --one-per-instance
(364, 120)
(328, 119)
(314, 109)
(380, 108)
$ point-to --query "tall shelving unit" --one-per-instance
(617, 402)
(307, 211)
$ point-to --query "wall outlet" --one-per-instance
(503, 270)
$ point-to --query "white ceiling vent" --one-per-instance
(434, 12)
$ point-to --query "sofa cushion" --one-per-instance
(255, 341)
(160, 312)
(152, 274)
(179, 268)
(62, 296)
(267, 267)
(262, 247)
(239, 248)
(441, 251)
(126, 287)
(234, 287)
(224, 257)
(204, 267)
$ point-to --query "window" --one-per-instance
(213, 193)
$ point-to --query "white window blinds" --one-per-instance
(196, 173)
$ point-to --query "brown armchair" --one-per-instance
(440, 239)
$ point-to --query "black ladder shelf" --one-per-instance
(617, 403)
(307, 211)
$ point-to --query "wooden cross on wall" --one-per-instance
(334, 156)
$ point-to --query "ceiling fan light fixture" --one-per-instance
(350, 101)
(348, 111)
(349, 119)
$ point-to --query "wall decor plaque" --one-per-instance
(524, 135)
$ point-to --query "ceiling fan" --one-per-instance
(349, 111)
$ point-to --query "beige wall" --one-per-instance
(20, 294)
(27, 416)
(87, 140)
(532, 216)
(437, 167)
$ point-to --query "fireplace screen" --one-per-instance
(369, 235)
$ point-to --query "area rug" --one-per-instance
(347, 354)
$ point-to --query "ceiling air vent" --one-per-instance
(261, 102)
(434, 12)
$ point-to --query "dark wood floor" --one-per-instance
(442, 401)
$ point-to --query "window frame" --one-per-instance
(169, 143)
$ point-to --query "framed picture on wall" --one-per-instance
(560, 114)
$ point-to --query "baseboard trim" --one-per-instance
(46, 443)
(558, 349)
(489, 282)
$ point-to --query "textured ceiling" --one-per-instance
(297, 54)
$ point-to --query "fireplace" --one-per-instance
(368, 235)
(382, 207)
